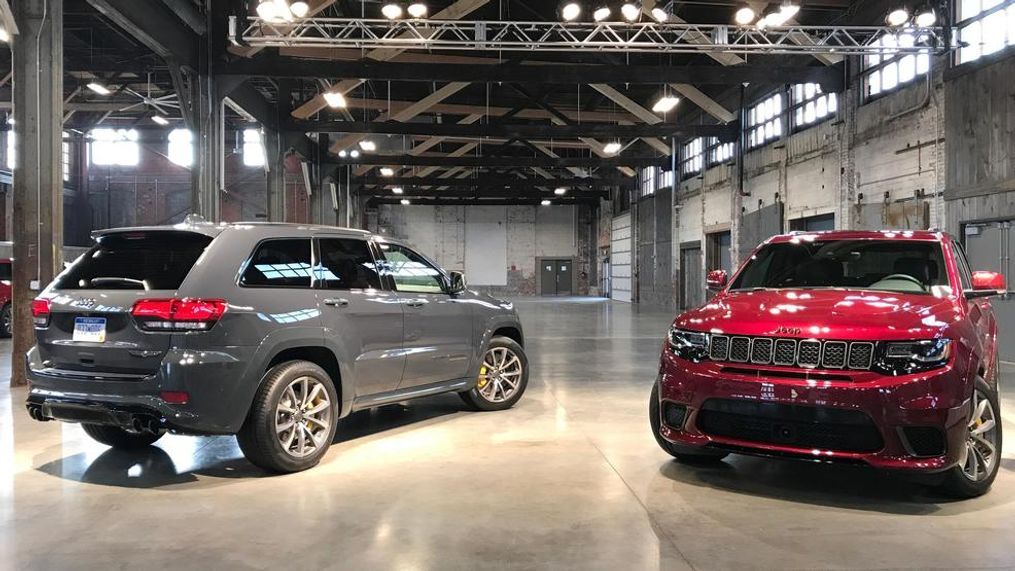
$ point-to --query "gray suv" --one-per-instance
(271, 332)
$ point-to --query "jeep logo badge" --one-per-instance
(788, 331)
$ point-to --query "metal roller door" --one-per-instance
(620, 258)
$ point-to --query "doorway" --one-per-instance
(988, 246)
(555, 276)
(692, 285)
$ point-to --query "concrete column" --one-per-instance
(38, 177)
(276, 176)
(207, 182)
(846, 217)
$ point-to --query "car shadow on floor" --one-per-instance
(830, 485)
(154, 466)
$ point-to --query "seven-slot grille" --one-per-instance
(807, 353)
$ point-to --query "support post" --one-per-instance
(38, 177)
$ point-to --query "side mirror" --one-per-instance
(986, 284)
(716, 279)
(457, 284)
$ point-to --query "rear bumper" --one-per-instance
(215, 381)
(887, 409)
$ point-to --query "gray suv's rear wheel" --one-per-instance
(291, 423)
(503, 376)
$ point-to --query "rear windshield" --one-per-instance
(883, 265)
(136, 260)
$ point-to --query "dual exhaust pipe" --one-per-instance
(142, 423)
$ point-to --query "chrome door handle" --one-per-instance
(336, 302)
(415, 302)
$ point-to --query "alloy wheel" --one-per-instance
(981, 439)
(303, 417)
(500, 375)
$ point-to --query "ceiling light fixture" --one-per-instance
(343, 153)
(405, 202)
(665, 104)
(387, 171)
(897, 17)
(601, 13)
(334, 99)
(546, 202)
(98, 88)
(397, 190)
(660, 15)
(368, 146)
(392, 11)
(612, 148)
(925, 17)
(788, 10)
(417, 9)
(267, 10)
(744, 16)
(561, 191)
(299, 9)
(630, 12)
(571, 11)
(160, 120)
(354, 154)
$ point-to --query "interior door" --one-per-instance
(989, 247)
(548, 277)
(356, 309)
(438, 333)
(564, 269)
(692, 284)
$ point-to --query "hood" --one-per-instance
(826, 314)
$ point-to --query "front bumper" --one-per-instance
(893, 406)
(215, 381)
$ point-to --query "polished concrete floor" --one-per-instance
(570, 478)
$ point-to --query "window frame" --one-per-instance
(804, 101)
(686, 159)
(867, 69)
(778, 119)
(257, 246)
(318, 257)
(647, 185)
(978, 18)
(389, 281)
(712, 146)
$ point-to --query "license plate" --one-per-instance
(92, 329)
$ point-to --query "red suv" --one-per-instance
(864, 347)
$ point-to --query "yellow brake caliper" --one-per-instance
(482, 377)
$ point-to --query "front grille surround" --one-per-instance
(789, 352)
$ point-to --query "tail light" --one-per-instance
(177, 314)
(40, 312)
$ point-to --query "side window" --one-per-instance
(410, 271)
(346, 264)
(5, 271)
(279, 263)
(965, 276)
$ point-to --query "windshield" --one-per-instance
(884, 265)
(136, 260)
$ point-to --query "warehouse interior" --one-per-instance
(590, 167)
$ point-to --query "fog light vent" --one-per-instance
(673, 415)
(923, 440)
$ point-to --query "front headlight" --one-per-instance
(914, 356)
(691, 345)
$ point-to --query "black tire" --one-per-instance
(681, 453)
(956, 483)
(258, 438)
(475, 398)
(6, 322)
(120, 438)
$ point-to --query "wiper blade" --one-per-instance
(113, 280)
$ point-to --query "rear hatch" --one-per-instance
(90, 327)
